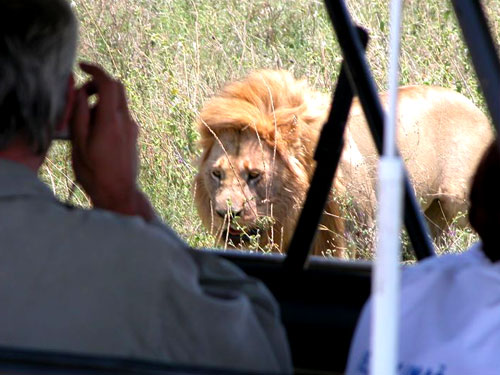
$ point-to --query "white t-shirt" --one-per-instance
(449, 318)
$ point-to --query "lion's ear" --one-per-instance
(289, 133)
(288, 126)
(294, 130)
(207, 147)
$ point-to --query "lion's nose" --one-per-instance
(232, 213)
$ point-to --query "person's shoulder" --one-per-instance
(443, 264)
(109, 228)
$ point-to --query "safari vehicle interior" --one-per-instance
(319, 319)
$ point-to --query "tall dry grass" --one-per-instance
(174, 54)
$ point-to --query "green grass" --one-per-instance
(174, 54)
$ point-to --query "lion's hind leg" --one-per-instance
(446, 214)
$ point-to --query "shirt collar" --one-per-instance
(18, 180)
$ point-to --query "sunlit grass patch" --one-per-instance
(173, 55)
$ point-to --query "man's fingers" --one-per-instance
(122, 98)
(80, 120)
(95, 71)
(106, 89)
(100, 82)
(90, 88)
(111, 110)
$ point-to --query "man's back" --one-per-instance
(90, 281)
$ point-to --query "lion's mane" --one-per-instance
(288, 116)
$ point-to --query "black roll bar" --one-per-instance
(483, 53)
(364, 86)
(355, 70)
(327, 156)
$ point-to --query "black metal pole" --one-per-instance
(483, 53)
(364, 86)
(327, 156)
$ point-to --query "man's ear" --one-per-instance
(62, 127)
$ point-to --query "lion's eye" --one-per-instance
(217, 174)
(254, 175)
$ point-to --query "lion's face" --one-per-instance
(238, 178)
(258, 138)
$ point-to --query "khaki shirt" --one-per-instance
(94, 282)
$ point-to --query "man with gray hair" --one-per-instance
(112, 280)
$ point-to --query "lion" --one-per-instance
(258, 138)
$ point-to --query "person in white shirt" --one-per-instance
(450, 305)
(112, 280)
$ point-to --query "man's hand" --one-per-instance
(104, 139)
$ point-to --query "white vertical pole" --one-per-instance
(386, 277)
(393, 78)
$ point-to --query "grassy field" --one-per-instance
(174, 54)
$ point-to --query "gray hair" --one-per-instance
(37, 50)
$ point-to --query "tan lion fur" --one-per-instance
(441, 135)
